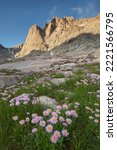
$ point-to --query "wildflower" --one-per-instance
(53, 120)
(65, 133)
(42, 123)
(77, 104)
(57, 133)
(61, 119)
(15, 118)
(27, 113)
(27, 119)
(68, 113)
(49, 121)
(22, 98)
(65, 106)
(25, 102)
(49, 110)
(89, 92)
(54, 114)
(34, 115)
(74, 114)
(96, 120)
(35, 120)
(97, 115)
(68, 121)
(57, 112)
(34, 102)
(88, 108)
(64, 124)
(12, 104)
(22, 122)
(11, 101)
(91, 117)
(49, 128)
(40, 118)
(34, 130)
(97, 110)
(17, 103)
(96, 104)
(59, 107)
(45, 113)
(54, 139)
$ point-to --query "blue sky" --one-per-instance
(16, 16)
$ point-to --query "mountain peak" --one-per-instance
(34, 41)
(2, 47)
(56, 32)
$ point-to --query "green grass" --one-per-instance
(93, 68)
(86, 131)
(10, 135)
(59, 75)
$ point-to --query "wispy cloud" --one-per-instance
(77, 10)
(52, 13)
(84, 11)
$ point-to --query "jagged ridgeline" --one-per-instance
(56, 32)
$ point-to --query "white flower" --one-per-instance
(17, 103)
(27, 119)
(22, 122)
(97, 110)
(12, 104)
(97, 115)
(34, 130)
(77, 104)
(96, 120)
(15, 118)
(91, 117)
(25, 102)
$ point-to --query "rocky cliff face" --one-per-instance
(34, 41)
(4, 52)
(56, 32)
(19, 46)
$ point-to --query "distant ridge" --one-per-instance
(56, 32)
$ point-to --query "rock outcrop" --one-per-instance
(19, 46)
(34, 41)
(56, 32)
(5, 52)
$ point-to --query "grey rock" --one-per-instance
(8, 80)
(56, 67)
(43, 80)
(44, 100)
(68, 74)
(68, 66)
(58, 81)
(4, 94)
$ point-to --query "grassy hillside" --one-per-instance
(80, 93)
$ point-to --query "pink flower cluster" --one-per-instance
(93, 77)
(24, 98)
(56, 123)
(57, 134)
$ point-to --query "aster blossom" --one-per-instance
(65, 133)
(49, 128)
